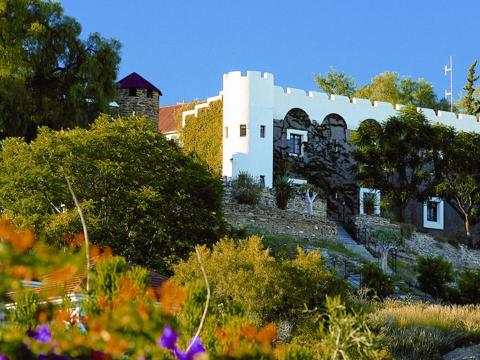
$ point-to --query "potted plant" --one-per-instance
(369, 203)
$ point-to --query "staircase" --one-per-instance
(346, 240)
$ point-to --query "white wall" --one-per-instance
(254, 100)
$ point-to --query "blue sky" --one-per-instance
(184, 46)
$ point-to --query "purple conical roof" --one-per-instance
(135, 81)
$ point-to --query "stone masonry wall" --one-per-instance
(141, 105)
(293, 221)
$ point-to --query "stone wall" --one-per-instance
(292, 221)
(140, 104)
(297, 204)
(369, 221)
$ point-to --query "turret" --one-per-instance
(137, 96)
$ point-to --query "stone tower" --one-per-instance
(135, 95)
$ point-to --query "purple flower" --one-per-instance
(3, 357)
(41, 334)
(195, 347)
(169, 339)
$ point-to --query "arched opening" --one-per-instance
(336, 127)
(297, 118)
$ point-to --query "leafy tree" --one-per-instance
(434, 274)
(389, 87)
(48, 75)
(202, 136)
(457, 170)
(470, 103)
(140, 194)
(385, 240)
(393, 158)
(337, 83)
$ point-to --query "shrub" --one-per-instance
(434, 275)
(407, 230)
(246, 189)
(284, 191)
(469, 286)
(340, 334)
(369, 203)
(374, 278)
(244, 273)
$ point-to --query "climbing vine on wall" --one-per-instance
(202, 136)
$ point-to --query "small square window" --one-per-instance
(262, 131)
(243, 130)
(149, 93)
(226, 132)
(432, 211)
(132, 92)
(295, 144)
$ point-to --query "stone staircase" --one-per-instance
(346, 240)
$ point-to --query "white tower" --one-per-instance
(248, 125)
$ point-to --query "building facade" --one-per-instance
(262, 120)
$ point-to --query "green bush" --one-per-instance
(284, 191)
(140, 194)
(434, 274)
(244, 273)
(340, 334)
(407, 230)
(246, 189)
(375, 279)
(469, 286)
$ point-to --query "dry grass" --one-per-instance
(425, 331)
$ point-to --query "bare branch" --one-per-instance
(85, 233)
(206, 303)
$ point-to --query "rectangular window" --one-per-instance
(226, 132)
(432, 211)
(149, 93)
(132, 92)
(262, 131)
(295, 144)
(262, 181)
(243, 130)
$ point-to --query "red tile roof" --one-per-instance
(136, 81)
(166, 118)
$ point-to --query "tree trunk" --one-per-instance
(467, 230)
(309, 207)
(384, 259)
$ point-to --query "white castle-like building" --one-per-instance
(260, 117)
(252, 101)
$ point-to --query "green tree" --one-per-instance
(457, 170)
(390, 87)
(139, 192)
(394, 159)
(48, 75)
(470, 103)
(337, 83)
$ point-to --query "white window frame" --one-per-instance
(378, 196)
(439, 224)
(304, 139)
(298, 181)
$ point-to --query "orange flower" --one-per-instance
(267, 334)
(20, 240)
(248, 331)
(171, 297)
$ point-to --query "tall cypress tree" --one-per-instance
(471, 103)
